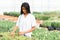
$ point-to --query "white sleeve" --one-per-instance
(18, 21)
(33, 21)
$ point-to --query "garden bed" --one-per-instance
(51, 25)
(38, 34)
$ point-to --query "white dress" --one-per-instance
(26, 23)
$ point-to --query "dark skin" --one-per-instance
(16, 27)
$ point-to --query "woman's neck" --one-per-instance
(25, 14)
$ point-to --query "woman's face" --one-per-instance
(24, 10)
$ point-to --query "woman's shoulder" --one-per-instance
(31, 15)
(20, 16)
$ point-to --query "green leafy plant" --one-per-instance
(15, 14)
(6, 25)
(46, 23)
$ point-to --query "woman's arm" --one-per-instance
(15, 28)
(30, 30)
(13, 32)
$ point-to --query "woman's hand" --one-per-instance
(21, 33)
(12, 33)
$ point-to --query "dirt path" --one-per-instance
(10, 18)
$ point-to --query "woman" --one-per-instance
(26, 21)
